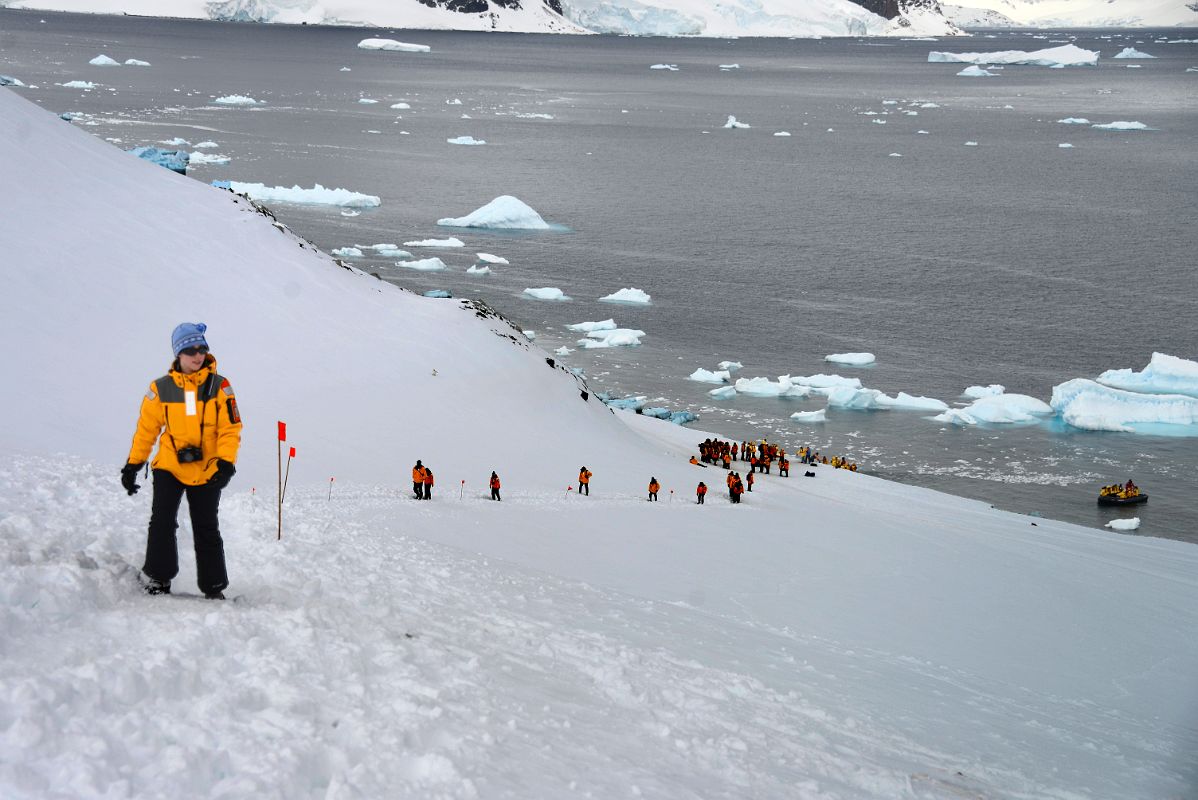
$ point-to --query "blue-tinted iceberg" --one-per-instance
(872, 399)
(1089, 405)
(174, 160)
(707, 376)
(1164, 374)
(999, 409)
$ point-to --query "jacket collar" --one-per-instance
(196, 378)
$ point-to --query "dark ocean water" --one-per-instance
(1013, 261)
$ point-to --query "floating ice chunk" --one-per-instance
(347, 252)
(878, 121)
(1064, 145)
(400, 106)
(487, 258)
(955, 416)
(975, 392)
(1066, 55)
(923, 132)
(452, 241)
(764, 387)
(1164, 374)
(1121, 125)
(175, 142)
(975, 72)
(971, 144)
(620, 337)
(174, 160)
(731, 366)
(453, 102)
(733, 123)
(9, 80)
(467, 140)
(587, 327)
(532, 335)
(782, 133)
(669, 67)
(78, 85)
(237, 100)
(723, 393)
(707, 376)
(729, 66)
(367, 101)
(810, 416)
(444, 293)
(546, 293)
(999, 409)
(345, 69)
(871, 399)
(136, 62)
(317, 195)
(350, 213)
(823, 381)
(475, 269)
(633, 296)
(207, 144)
(630, 403)
(503, 213)
(1124, 524)
(424, 264)
(104, 61)
(390, 251)
(1074, 121)
(929, 105)
(563, 351)
(209, 158)
(1131, 52)
(391, 44)
(851, 359)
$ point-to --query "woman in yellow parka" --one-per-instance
(191, 413)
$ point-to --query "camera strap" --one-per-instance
(203, 398)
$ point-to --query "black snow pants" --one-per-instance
(162, 550)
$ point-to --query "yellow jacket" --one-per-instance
(197, 410)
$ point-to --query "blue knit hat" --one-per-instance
(189, 334)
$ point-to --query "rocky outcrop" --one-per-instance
(483, 6)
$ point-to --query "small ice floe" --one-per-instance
(174, 160)
(620, 337)
(347, 252)
(445, 293)
(104, 61)
(587, 327)
(453, 101)
(1065, 146)
(475, 269)
(734, 123)
(723, 393)
(929, 105)
(1134, 66)
(826, 382)
(1074, 121)
(345, 69)
(203, 145)
(810, 416)
(872, 399)
(974, 392)
(764, 387)
(1131, 52)
(487, 258)
(971, 144)
(367, 101)
(731, 366)
(895, 155)
(388, 250)
(782, 133)
(178, 141)
(729, 66)
(1004, 409)
(350, 213)
(851, 359)
(136, 62)
(317, 195)
(563, 351)
(924, 133)
(237, 100)
(546, 293)
(392, 45)
(401, 106)
(975, 71)
(503, 213)
(9, 80)
(676, 417)
(467, 140)
(531, 335)
(85, 85)
(452, 241)
(878, 121)
(632, 296)
(1191, 69)
(423, 264)
(210, 159)
(1124, 524)
(668, 67)
(707, 376)
(1066, 55)
(1121, 125)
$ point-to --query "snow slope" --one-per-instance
(842, 637)
(1074, 13)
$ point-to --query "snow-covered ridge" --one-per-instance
(1071, 13)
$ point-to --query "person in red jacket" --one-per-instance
(428, 484)
(584, 481)
(701, 492)
(654, 488)
(494, 486)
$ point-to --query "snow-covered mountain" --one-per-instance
(1072, 13)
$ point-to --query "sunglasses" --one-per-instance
(194, 351)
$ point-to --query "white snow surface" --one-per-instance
(562, 646)
(317, 195)
(1068, 55)
(1089, 405)
(631, 296)
(503, 213)
(1071, 13)
(851, 359)
(1165, 374)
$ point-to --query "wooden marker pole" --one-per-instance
(282, 438)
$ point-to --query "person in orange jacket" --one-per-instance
(494, 486)
(418, 480)
(428, 484)
(701, 491)
(750, 481)
(654, 487)
(737, 489)
(584, 481)
(191, 414)
(783, 467)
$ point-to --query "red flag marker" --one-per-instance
(292, 453)
(282, 431)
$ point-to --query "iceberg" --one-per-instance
(764, 387)
(237, 100)
(976, 72)
(1067, 55)
(78, 85)
(734, 123)
(1131, 52)
(452, 241)
(974, 392)
(347, 252)
(423, 265)
(872, 399)
(367, 101)
(1087, 404)
(822, 381)
(1164, 374)
(209, 158)
(563, 351)
(707, 376)
(782, 133)
(810, 416)
(1074, 121)
(503, 213)
(400, 106)
(104, 61)
(997, 409)
(9, 80)
(546, 293)
(630, 403)
(487, 258)
(390, 251)
(391, 44)
(175, 142)
(851, 359)
(723, 393)
(317, 195)
(136, 62)
(1124, 524)
(670, 67)
(620, 337)
(731, 366)
(174, 160)
(1121, 125)
(587, 327)
(206, 144)
(442, 294)
(475, 269)
(628, 296)
(467, 140)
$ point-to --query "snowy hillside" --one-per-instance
(1073, 13)
(831, 637)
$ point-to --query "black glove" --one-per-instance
(129, 477)
(224, 473)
